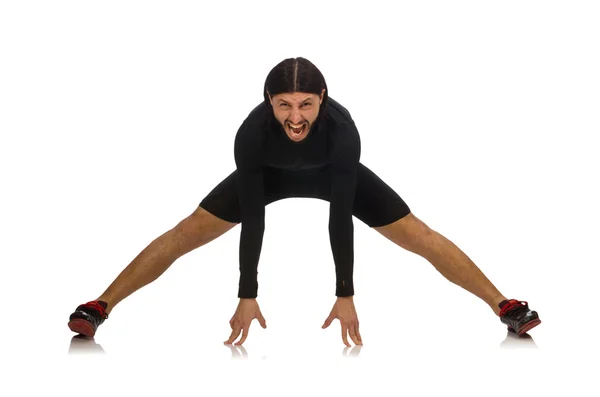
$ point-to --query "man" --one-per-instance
(299, 142)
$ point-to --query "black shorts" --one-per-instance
(375, 203)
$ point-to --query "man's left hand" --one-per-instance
(344, 310)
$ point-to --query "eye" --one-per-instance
(306, 104)
(283, 104)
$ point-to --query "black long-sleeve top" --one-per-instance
(262, 142)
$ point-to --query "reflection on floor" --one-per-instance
(84, 345)
(513, 341)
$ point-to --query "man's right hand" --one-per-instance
(246, 311)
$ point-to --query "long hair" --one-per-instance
(296, 75)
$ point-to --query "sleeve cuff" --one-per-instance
(248, 288)
(344, 287)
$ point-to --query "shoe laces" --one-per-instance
(512, 303)
(96, 306)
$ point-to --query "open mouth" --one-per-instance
(297, 129)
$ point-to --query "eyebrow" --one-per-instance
(307, 99)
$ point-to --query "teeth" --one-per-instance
(301, 127)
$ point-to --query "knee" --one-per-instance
(192, 231)
(416, 233)
(409, 232)
(201, 227)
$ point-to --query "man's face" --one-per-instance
(296, 112)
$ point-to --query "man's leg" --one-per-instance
(199, 228)
(413, 235)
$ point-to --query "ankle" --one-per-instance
(495, 303)
(105, 302)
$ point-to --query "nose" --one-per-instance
(295, 116)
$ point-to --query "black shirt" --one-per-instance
(262, 142)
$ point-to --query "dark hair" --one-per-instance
(296, 75)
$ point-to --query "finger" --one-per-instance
(353, 336)
(345, 334)
(328, 321)
(244, 335)
(358, 334)
(261, 320)
(234, 334)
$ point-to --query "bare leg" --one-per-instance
(413, 235)
(194, 231)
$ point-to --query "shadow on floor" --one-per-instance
(513, 341)
(85, 345)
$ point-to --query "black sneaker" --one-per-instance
(87, 317)
(517, 315)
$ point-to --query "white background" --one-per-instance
(117, 118)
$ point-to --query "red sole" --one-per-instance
(529, 326)
(526, 327)
(81, 327)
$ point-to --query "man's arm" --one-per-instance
(345, 158)
(249, 180)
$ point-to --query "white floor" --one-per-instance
(425, 336)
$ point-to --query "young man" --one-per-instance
(299, 142)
